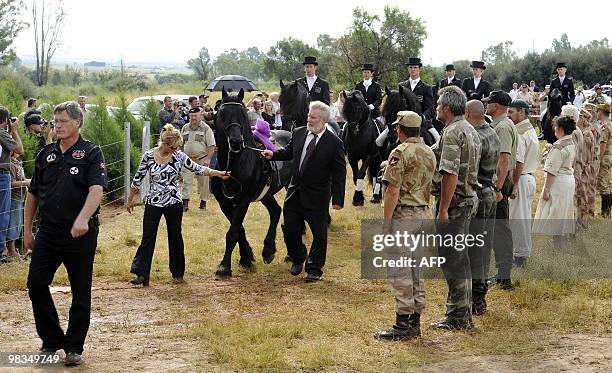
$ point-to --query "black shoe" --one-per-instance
(405, 327)
(72, 359)
(453, 324)
(520, 261)
(49, 350)
(504, 284)
(297, 268)
(375, 199)
(202, 205)
(140, 280)
(185, 205)
(311, 277)
(479, 306)
(178, 280)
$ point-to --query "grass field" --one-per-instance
(268, 320)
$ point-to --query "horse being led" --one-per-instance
(395, 101)
(294, 101)
(553, 109)
(359, 136)
(252, 179)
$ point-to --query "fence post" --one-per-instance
(146, 141)
(126, 160)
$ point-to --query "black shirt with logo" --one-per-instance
(61, 181)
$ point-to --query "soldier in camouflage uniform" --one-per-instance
(582, 198)
(454, 185)
(604, 185)
(407, 180)
(497, 106)
(485, 215)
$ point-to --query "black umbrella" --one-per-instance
(233, 82)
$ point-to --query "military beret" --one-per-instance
(519, 104)
(408, 119)
(193, 110)
(605, 106)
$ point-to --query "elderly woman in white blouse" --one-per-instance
(163, 164)
(555, 213)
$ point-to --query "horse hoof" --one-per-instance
(357, 203)
(268, 259)
(247, 264)
(223, 273)
(375, 199)
(288, 259)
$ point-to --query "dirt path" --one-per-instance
(125, 338)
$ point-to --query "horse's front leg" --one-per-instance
(274, 210)
(358, 181)
(236, 216)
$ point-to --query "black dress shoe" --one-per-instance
(202, 205)
(311, 277)
(140, 280)
(297, 268)
(453, 324)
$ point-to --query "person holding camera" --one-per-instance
(9, 142)
(168, 114)
(37, 126)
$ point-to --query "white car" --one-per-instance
(136, 106)
(111, 110)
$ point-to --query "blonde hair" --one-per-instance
(269, 102)
(171, 137)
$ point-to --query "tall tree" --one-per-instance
(248, 62)
(501, 53)
(561, 45)
(48, 19)
(201, 65)
(386, 42)
(9, 28)
(284, 59)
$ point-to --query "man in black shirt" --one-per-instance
(67, 187)
(37, 126)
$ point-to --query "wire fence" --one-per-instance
(118, 181)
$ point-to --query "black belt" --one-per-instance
(410, 207)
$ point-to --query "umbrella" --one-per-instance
(233, 82)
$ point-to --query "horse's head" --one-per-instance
(294, 102)
(232, 124)
(226, 97)
(398, 100)
(555, 102)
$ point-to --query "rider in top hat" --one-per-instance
(476, 88)
(564, 83)
(370, 90)
(450, 79)
(423, 92)
(318, 89)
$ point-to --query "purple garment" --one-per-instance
(261, 133)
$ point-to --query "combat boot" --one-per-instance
(605, 205)
(405, 327)
(185, 205)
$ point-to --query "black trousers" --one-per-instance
(141, 265)
(52, 248)
(294, 215)
(502, 241)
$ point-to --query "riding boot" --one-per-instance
(406, 326)
(185, 205)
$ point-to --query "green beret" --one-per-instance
(519, 104)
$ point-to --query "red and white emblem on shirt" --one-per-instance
(102, 165)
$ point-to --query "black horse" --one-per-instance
(252, 179)
(395, 101)
(553, 109)
(294, 100)
(359, 136)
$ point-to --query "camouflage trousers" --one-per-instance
(592, 186)
(407, 284)
(604, 184)
(483, 223)
(456, 269)
(581, 202)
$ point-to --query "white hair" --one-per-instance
(323, 109)
(571, 111)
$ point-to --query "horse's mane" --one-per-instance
(554, 102)
(294, 101)
(397, 100)
(355, 108)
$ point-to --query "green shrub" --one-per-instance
(11, 97)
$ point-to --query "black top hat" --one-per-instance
(368, 66)
(561, 64)
(498, 97)
(414, 61)
(310, 60)
(478, 65)
(450, 67)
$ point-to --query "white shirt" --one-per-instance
(477, 82)
(528, 148)
(450, 80)
(513, 93)
(367, 84)
(561, 79)
(413, 83)
(311, 81)
(309, 138)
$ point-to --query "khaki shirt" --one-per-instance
(411, 168)
(458, 153)
(606, 138)
(560, 158)
(508, 138)
(528, 147)
(197, 141)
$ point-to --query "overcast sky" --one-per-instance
(154, 30)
